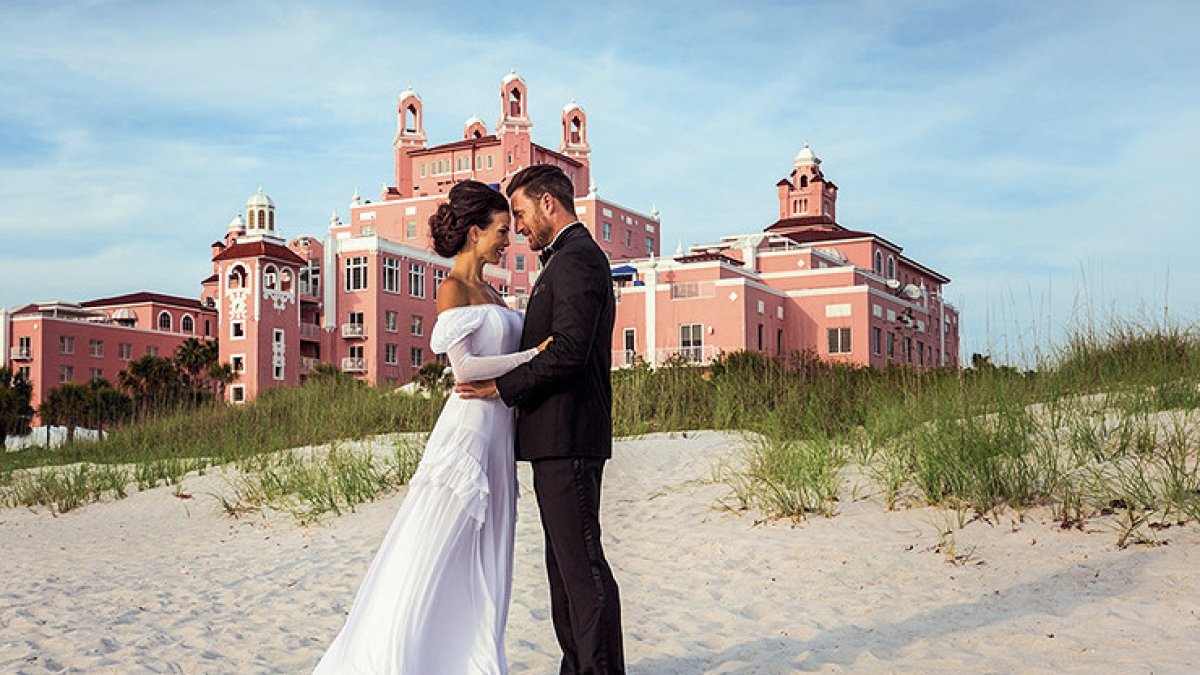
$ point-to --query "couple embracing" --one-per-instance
(533, 387)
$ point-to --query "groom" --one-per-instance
(563, 399)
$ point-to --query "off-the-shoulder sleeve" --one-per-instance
(453, 325)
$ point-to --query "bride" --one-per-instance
(435, 599)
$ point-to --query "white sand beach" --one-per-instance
(161, 583)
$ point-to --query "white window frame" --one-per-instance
(416, 280)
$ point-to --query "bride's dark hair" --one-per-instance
(470, 203)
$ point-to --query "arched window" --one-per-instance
(803, 181)
(262, 218)
(250, 217)
(891, 270)
(879, 263)
(514, 102)
(489, 161)
(164, 321)
(410, 118)
(237, 277)
(187, 324)
(477, 134)
(270, 277)
(271, 221)
(576, 130)
(285, 281)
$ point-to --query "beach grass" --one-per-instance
(1108, 426)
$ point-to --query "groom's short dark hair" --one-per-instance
(539, 179)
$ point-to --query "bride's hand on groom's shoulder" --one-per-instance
(545, 343)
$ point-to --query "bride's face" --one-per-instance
(494, 239)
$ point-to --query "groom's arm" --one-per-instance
(577, 305)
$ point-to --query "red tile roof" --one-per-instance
(144, 297)
(259, 248)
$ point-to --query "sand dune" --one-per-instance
(159, 583)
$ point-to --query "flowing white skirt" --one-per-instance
(435, 599)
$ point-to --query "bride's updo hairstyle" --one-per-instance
(470, 203)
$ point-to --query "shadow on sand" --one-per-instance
(841, 645)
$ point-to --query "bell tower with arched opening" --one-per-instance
(805, 193)
(410, 136)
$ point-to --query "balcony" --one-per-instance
(310, 331)
(699, 355)
(624, 358)
(20, 354)
(308, 364)
(354, 331)
(354, 364)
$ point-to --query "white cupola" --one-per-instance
(806, 157)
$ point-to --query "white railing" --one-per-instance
(699, 355)
(622, 358)
(20, 354)
(354, 330)
(683, 290)
(354, 364)
(308, 364)
(310, 330)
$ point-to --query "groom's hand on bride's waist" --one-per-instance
(481, 389)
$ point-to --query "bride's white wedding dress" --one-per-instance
(435, 599)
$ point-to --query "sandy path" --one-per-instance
(158, 583)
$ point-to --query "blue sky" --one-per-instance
(1044, 155)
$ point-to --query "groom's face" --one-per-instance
(530, 219)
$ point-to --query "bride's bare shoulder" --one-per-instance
(453, 293)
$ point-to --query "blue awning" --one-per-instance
(624, 271)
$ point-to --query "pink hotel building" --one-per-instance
(363, 296)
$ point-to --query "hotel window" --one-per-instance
(489, 161)
(607, 231)
(310, 278)
(416, 280)
(649, 245)
(628, 238)
(762, 306)
(66, 374)
(96, 348)
(691, 341)
(390, 352)
(891, 267)
(207, 328)
(416, 357)
(391, 321)
(519, 290)
(439, 275)
(503, 289)
(270, 277)
(152, 350)
(504, 261)
(760, 337)
(418, 325)
(422, 169)
(187, 324)
(367, 231)
(237, 393)
(238, 363)
(920, 353)
(879, 263)
(66, 344)
(410, 229)
(23, 373)
(237, 330)
(630, 345)
(876, 339)
(891, 345)
(391, 275)
(25, 346)
(839, 340)
(356, 273)
(519, 263)
(125, 351)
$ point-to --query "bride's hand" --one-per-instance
(545, 343)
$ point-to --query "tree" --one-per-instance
(16, 393)
(106, 405)
(221, 375)
(433, 377)
(193, 357)
(66, 406)
(154, 383)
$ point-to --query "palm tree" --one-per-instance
(107, 406)
(193, 357)
(221, 374)
(16, 393)
(66, 405)
(153, 382)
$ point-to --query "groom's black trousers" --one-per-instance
(584, 600)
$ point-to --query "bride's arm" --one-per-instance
(469, 367)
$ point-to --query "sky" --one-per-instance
(1043, 155)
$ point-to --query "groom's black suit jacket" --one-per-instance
(563, 396)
